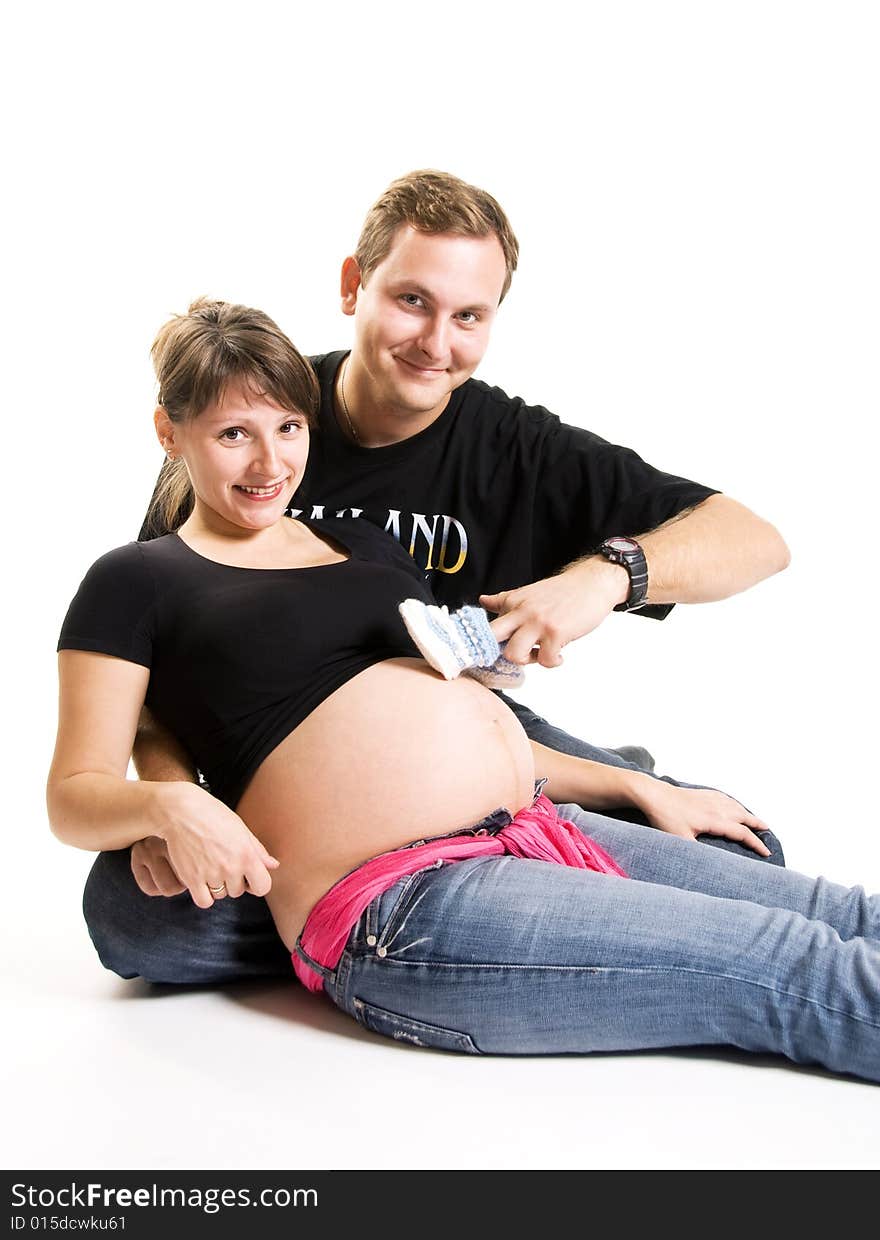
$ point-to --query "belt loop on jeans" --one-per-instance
(326, 973)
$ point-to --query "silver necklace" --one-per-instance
(355, 436)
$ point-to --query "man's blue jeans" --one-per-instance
(503, 956)
(169, 939)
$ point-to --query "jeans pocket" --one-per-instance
(416, 1032)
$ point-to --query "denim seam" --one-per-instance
(341, 979)
(585, 968)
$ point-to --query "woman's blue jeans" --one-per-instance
(504, 956)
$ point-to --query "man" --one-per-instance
(549, 526)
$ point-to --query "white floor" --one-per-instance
(104, 1074)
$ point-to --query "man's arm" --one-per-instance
(158, 755)
(688, 812)
(710, 552)
(713, 551)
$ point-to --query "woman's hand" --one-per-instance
(690, 812)
(206, 845)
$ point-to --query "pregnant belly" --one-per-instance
(396, 754)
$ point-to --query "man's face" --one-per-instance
(422, 317)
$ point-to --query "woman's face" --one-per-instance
(245, 456)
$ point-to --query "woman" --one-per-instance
(360, 793)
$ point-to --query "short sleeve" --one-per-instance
(590, 489)
(114, 608)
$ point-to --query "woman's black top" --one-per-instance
(238, 657)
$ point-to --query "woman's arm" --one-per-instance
(92, 805)
(687, 812)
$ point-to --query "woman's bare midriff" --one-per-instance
(397, 754)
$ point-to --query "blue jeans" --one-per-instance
(503, 956)
(169, 939)
(633, 757)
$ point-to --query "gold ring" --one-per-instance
(215, 891)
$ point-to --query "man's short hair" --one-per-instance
(434, 202)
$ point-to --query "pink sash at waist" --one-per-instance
(536, 833)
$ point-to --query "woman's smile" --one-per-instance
(262, 493)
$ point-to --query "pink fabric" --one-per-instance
(536, 833)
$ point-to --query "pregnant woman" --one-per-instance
(413, 867)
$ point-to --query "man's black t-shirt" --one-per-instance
(492, 495)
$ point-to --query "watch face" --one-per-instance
(621, 544)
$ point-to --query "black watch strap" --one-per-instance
(627, 552)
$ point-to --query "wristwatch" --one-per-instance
(628, 553)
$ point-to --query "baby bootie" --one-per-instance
(459, 642)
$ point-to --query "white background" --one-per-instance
(695, 189)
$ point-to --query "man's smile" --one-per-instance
(429, 372)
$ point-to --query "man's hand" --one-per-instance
(708, 553)
(690, 812)
(551, 613)
(152, 870)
